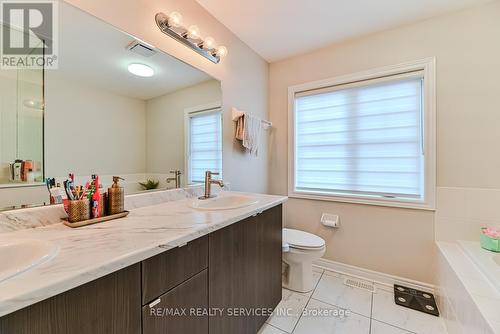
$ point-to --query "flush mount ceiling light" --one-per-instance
(172, 25)
(141, 70)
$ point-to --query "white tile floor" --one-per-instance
(334, 308)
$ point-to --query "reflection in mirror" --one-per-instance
(103, 116)
(21, 124)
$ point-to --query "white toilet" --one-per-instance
(300, 249)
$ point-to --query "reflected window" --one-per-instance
(204, 144)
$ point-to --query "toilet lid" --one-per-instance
(301, 239)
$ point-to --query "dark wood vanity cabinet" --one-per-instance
(242, 283)
(181, 310)
(167, 270)
(227, 282)
(175, 290)
(108, 305)
(245, 273)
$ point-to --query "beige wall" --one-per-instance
(400, 241)
(165, 138)
(86, 127)
(243, 73)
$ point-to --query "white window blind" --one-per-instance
(205, 144)
(361, 139)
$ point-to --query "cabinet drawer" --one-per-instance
(167, 270)
(181, 310)
(108, 305)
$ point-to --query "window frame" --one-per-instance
(428, 67)
(208, 108)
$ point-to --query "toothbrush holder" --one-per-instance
(78, 210)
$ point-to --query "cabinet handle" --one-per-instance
(258, 213)
(154, 303)
(167, 246)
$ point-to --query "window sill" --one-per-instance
(396, 203)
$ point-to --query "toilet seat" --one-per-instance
(302, 240)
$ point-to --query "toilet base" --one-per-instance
(299, 277)
(299, 274)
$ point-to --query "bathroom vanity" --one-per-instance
(218, 272)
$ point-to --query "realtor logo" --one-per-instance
(29, 34)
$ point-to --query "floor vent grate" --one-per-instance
(352, 282)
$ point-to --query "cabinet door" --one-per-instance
(108, 305)
(245, 273)
(269, 257)
(232, 276)
(181, 310)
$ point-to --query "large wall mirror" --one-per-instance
(114, 106)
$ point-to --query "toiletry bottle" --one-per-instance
(31, 176)
(96, 198)
(116, 197)
(17, 170)
(26, 166)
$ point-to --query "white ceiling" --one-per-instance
(277, 29)
(95, 53)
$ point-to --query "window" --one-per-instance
(368, 139)
(204, 144)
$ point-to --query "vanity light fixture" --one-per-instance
(191, 37)
(141, 70)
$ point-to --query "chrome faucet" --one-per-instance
(176, 179)
(208, 182)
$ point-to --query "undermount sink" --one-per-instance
(17, 256)
(224, 202)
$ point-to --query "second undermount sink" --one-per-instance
(17, 256)
(224, 202)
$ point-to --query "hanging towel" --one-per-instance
(239, 118)
(251, 139)
(248, 130)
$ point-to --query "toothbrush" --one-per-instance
(68, 191)
(84, 193)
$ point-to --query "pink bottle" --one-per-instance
(96, 199)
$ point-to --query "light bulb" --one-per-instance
(193, 32)
(175, 19)
(222, 51)
(209, 43)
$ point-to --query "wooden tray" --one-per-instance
(96, 220)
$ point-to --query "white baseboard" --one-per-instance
(373, 276)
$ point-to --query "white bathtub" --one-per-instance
(488, 262)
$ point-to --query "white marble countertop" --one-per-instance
(90, 252)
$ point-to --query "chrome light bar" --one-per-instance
(189, 37)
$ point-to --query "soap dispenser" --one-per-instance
(116, 197)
